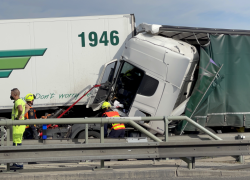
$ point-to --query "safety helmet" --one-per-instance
(106, 105)
(30, 97)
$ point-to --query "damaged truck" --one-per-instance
(151, 70)
(201, 73)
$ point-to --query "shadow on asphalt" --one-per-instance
(89, 167)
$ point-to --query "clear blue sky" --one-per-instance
(199, 13)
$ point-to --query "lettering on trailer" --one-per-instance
(59, 96)
(93, 38)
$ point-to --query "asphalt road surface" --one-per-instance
(202, 178)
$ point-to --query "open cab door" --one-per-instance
(99, 95)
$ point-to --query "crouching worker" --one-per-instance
(30, 131)
(117, 129)
(18, 111)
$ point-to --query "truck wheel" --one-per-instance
(92, 134)
(4, 133)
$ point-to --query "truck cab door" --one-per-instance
(99, 95)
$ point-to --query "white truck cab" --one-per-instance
(153, 76)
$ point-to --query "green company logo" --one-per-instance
(16, 59)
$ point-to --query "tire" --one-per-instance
(5, 132)
(92, 134)
(209, 129)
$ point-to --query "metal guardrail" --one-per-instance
(102, 151)
(129, 120)
(102, 121)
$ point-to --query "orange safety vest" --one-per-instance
(31, 114)
(115, 126)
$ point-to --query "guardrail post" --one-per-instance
(190, 163)
(102, 133)
(241, 159)
(86, 133)
(8, 144)
(8, 135)
(2, 138)
(102, 141)
(166, 128)
(193, 162)
(2, 135)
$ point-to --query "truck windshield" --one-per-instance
(128, 82)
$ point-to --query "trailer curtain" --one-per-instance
(226, 101)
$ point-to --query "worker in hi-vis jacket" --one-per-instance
(117, 129)
(30, 130)
(18, 111)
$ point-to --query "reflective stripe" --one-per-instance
(118, 126)
(115, 126)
